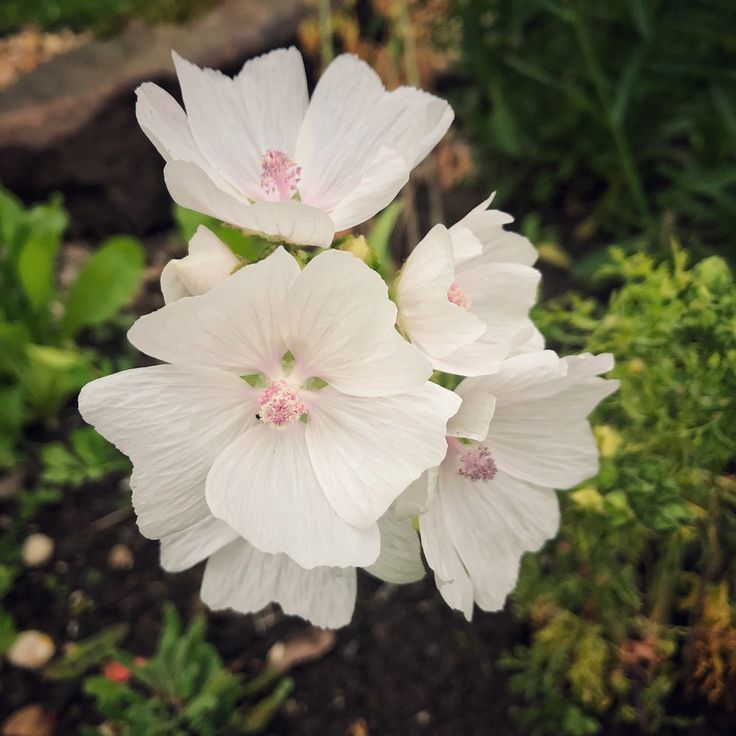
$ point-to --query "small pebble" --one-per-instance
(37, 550)
(120, 558)
(31, 720)
(423, 718)
(31, 650)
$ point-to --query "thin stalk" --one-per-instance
(327, 48)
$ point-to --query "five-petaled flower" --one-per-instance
(291, 408)
(464, 294)
(520, 433)
(255, 152)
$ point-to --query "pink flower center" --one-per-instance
(279, 175)
(457, 296)
(476, 463)
(280, 405)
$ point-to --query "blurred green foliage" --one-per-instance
(635, 600)
(619, 116)
(184, 688)
(41, 363)
(104, 16)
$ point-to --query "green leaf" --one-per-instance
(379, 237)
(106, 283)
(7, 631)
(86, 654)
(37, 256)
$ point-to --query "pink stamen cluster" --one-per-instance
(280, 405)
(279, 174)
(476, 463)
(457, 296)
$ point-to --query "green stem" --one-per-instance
(325, 32)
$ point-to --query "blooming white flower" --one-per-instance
(303, 457)
(525, 433)
(464, 295)
(240, 577)
(255, 152)
(209, 262)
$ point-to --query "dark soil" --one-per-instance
(406, 665)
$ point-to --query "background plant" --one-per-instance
(634, 601)
(42, 362)
(619, 116)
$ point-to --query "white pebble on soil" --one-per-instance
(37, 550)
(31, 650)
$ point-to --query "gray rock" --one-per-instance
(70, 125)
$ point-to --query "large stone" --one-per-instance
(70, 125)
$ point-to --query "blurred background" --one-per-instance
(608, 129)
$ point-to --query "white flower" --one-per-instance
(255, 152)
(464, 295)
(209, 262)
(240, 577)
(526, 433)
(302, 458)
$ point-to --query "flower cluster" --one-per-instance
(297, 429)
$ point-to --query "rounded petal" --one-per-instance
(234, 326)
(416, 497)
(246, 580)
(172, 423)
(263, 485)
(339, 326)
(546, 439)
(376, 189)
(350, 117)
(491, 524)
(433, 323)
(366, 451)
(292, 221)
(184, 549)
(165, 124)
(273, 91)
(209, 262)
(400, 560)
(474, 416)
(451, 577)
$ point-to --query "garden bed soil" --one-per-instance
(406, 665)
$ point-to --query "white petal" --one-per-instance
(501, 295)
(365, 451)
(273, 89)
(435, 116)
(246, 580)
(234, 326)
(474, 416)
(209, 262)
(292, 221)
(491, 524)
(416, 497)
(263, 485)
(166, 125)
(221, 126)
(339, 327)
(172, 423)
(548, 440)
(434, 324)
(498, 246)
(184, 549)
(376, 189)
(350, 117)
(450, 575)
(400, 560)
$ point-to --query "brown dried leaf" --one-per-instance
(305, 648)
